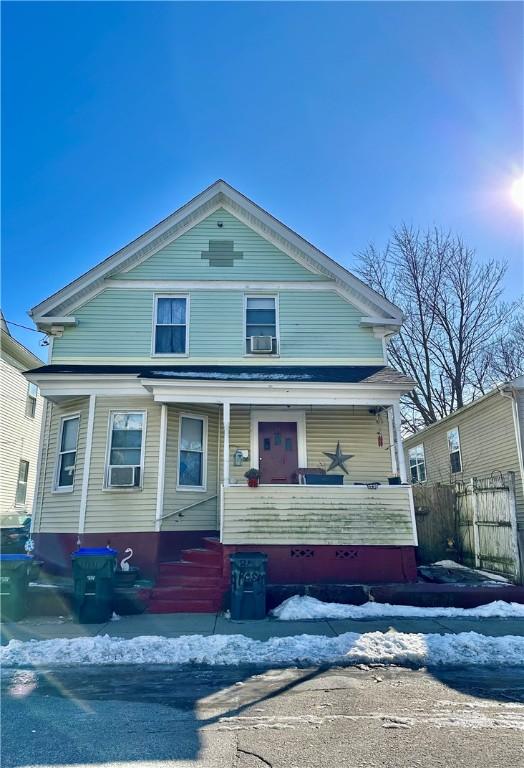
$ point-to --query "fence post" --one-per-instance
(513, 521)
(476, 537)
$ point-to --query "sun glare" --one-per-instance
(517, 192)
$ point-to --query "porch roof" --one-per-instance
(342, 374)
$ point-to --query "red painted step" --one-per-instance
(186, 593)
(195, 580)
(204, 556)
(183, 606)
(213, 544)
(183, 568)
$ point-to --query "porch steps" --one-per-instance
(193, 584)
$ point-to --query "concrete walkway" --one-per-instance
(177, 624)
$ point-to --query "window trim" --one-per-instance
(123, 488)
(22, 504)
(455, 429)
(157, 296)
(276, 297)
(193, 488)
(66, 488)
(33, 399)
(418, 463)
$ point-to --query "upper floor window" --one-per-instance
(67, 447)
(455, 459)
(170, 325)
(21, 486)
(125, 456)
(417, 464)
(261, 325)
(192, 447)
(30, 404)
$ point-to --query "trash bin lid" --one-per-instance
(16, 557)
(94, 552)
(248, 556)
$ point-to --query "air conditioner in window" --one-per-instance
(121, 477)
(261, 345)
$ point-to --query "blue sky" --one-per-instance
(342, 119)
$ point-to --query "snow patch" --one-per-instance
(299, 607)
(220, 376)
(350, 648)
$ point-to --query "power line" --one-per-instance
(27, 328)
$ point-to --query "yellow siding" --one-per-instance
(355, 427)
(487, 444)
(59, 511)
(205, 515)
(315, 515)
(19, 436)
(123, 510)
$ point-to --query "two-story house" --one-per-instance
(219, 341)
(20, 419)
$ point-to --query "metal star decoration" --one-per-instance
(338, 458)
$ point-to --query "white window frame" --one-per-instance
(418, 463)
(156, 297)
(66, 488)
(204, 419)
(22, 504)
(31, 399)
(123, 488)
(276, 298)
(455, 429)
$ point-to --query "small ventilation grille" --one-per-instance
(302, 552)
(346, 554)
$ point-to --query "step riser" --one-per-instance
(203, 556)
(186, 593)
(191, 583)
(213, 544)
(188, 569)
(181, 606)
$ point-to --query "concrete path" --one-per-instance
(177, 624)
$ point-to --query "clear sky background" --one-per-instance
(341, 119)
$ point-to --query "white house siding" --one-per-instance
(20, 435)
(123, 510)
(487, 443)
(318, 515)
(58, 511)
(205, 515)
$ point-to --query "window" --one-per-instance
(125, 450)
(417, 464)
(21, 487)
(192, 452)
(30, 405)
(65, 472)
(455, 458)
(170, 332)
(261, 320)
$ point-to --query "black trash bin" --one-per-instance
(248, 585)
(14, 580)
(94, 577)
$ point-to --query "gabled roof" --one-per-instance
(16, 351)
(218, 195)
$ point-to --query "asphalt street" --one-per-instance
(246, 717)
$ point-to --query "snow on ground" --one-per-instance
(299, 607)
(477, 571)
(350, 648)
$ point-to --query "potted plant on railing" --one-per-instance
(253, 476)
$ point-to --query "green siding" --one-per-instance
(182, 259)
(118, 324)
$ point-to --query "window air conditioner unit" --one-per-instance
(261, 345)
(121, 476)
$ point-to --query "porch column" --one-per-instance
(400, 448)
(226, 414)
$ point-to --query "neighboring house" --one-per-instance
(481, 440)
(218, 341)
(21, 418)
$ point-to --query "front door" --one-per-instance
(278, 451)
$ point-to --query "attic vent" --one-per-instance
(221, 253)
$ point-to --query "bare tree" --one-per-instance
(458, 338)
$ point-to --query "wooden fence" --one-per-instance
(473, 523)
